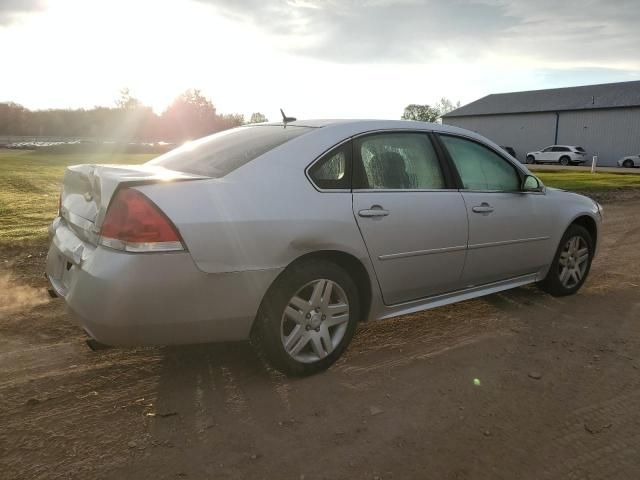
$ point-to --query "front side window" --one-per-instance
(479, 167)
(548, 149)
(398, 161)
(333, 170)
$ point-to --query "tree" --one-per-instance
(258, 117)
(445, 106)
(14, 119)
(126, 101)
(421, 113)
(191, 115)
(427, 113)
(229, 120)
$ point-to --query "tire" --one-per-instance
(564, 161)
(627, 164)
(553, 283)
(530, 159)
(291, 313)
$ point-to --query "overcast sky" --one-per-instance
(330, 59)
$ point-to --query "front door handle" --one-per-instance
(484, 207)
(374, 211)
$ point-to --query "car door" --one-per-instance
(509, 230)
(546, 155)
(412, 218)
(557, 152)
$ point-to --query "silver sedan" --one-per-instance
(288, 234)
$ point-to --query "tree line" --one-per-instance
(191, 115)
(429, 113)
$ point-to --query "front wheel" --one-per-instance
(307, 318)
(571, 263)
(628, 164)
(530, 159)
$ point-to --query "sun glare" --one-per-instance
(156, 49)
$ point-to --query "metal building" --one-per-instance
(604, 119)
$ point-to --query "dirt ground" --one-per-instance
(517, 385)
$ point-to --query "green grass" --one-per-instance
(587, 181)
(30, 186)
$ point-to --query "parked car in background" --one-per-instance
(509, 150)
(630, 161)
(562, 154)
(290, 234)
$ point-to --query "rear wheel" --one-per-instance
(571, 263)
(307, 318)
(627, 163)
(530, 159)
(565, 161)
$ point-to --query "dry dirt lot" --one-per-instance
(517, 385)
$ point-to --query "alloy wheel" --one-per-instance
(573, 261)
(314, 321)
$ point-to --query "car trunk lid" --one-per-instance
(88, 189)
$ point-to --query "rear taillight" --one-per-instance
(135, 224)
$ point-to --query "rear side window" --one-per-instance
(479, 167)
(219, 154)
(579, 149)
(333, 171)
(398, 161)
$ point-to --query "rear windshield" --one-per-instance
(221, 153)
(579, 149)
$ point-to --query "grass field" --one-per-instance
(30, 184)
(587, 181)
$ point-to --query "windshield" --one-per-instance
(219, 154)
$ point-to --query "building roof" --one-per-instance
(587, 97)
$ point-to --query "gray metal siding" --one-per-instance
(610, 133)
(524, 132)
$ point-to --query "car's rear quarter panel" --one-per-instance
(263, 215)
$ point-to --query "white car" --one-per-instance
(630, 161)
(562, 154)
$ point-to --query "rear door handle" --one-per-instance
(483, 208)
(374, 211)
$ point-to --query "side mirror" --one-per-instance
(531, 184)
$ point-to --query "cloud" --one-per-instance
(372, 30)
(10, 9)
(400, 31)
(586, 32)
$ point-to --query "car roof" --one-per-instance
(365, 125)
(329, 132)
